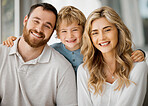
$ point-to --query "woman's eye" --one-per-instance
(107, 30)
(94, 33)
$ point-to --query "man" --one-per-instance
(31, 72)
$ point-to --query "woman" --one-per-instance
(108, 76)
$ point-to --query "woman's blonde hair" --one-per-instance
(93, 58)
(70, 14)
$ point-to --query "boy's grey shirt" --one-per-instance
(74, 57)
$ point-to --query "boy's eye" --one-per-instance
(75, 30)
(63, 31)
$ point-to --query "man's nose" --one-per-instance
(39, 28)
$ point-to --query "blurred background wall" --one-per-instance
(133, 12)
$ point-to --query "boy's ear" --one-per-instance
(25, 20)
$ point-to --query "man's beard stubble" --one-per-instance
(26, 36)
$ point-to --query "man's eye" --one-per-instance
(35, 21)
(47, 26)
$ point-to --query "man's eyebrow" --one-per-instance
(49, 23)
(37, 18)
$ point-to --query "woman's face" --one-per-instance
(104, 35)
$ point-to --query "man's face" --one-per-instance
(39, 27)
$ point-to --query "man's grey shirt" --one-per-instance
(48, 80)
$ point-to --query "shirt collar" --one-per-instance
(43, 58)
(75, 51)
(14, 49)
(45, 55)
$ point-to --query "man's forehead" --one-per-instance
(40, 12)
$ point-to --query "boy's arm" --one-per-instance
(9, 41)
(138, 55)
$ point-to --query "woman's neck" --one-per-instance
(109, 67)
(109, 58)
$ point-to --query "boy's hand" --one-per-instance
(9, 41)
(137, 56)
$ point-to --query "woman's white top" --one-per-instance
(128, 96)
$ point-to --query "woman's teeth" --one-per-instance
(104, 44)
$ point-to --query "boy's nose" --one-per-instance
(70, 35)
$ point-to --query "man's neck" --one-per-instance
(27, 52)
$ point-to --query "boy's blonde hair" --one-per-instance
(70, 14)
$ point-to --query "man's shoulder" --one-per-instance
(59, 62)
(4, 49)
(4, 53)
(59, 58)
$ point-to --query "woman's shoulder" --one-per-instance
(82, 70)
(141, 65)
(139, 69)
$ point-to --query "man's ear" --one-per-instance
(25, 20)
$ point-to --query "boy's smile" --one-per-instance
(70, 35)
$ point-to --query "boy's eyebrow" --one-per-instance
(61, 29)
(76, 27)
(46, 22)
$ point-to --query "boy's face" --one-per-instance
(71, 35)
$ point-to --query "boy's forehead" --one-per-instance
(68, 22)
